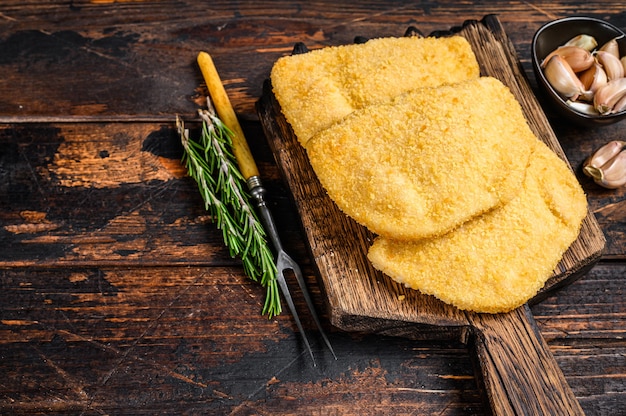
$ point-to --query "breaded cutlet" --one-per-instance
(320, 87)
(497, 261)
(428, 161)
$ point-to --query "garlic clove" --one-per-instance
(562, 78)
(605, 153)
(592, 79)
(608, 95)
(584, 41)
(578, 58)
(623, 61)
(620, 105)
(611, 175)
(611, 64)
(611, 47)
(614, 172)
(582, 107)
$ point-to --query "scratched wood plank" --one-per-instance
(137, 49)
(154, 44)
(121, 340)
(108, 193)
(191, 339)
(576, 322)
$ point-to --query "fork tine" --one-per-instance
(283, 262)
(282, 283)
(307, 297)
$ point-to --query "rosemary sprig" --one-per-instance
(210, 162)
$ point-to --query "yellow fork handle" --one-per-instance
(225, 112)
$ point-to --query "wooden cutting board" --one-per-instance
(519, 373)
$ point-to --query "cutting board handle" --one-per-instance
(520, 374)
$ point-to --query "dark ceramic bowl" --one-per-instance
(556, 33)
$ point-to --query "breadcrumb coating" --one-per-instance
(497, 261)
(428, 161)
(320, 87)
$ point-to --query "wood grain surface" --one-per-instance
(117, 294)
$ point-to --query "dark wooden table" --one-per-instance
(117, 295)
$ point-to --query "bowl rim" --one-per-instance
(539, 72)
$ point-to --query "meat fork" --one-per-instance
(250, 172)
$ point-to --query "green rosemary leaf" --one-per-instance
(210, 162)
